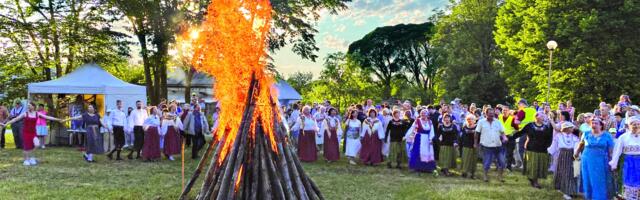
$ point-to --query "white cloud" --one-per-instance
(359, 22)
(341, 28)
(336, 43)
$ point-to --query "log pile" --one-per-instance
(252, 170)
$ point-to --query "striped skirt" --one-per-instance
(563, 178)
(447, 157)
(469, 160)
(537, 165)
(397, 152)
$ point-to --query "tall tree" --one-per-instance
(157, 22)
(386, 51)
(597, 57)
(468, 54)
(300, 81)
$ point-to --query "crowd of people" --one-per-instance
(147, 131)
(595, 154)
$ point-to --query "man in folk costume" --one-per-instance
(331, 131)
(371, 136)
(307, 139)
(116, 121)
(138, 116)
(421, 135)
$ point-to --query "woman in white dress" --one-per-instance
(352, 129)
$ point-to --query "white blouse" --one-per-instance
(177, 124)
(331, 122)
(309, 124)
(152, 120)
(368, 128)
(628, 144)
(563, 141)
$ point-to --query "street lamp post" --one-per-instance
(551, 45)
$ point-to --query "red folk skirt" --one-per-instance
(172, 142)
(151, 147)
(331, 146)
(307, 146)
(28, 133)
(371, 151)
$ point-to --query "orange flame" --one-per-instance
(231, 46)
(239, 175)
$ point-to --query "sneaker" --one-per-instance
(26, 163)
(352, 162)
(33, 161)
(566, 197)
(42, 147)
(171, 158)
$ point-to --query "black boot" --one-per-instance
(138, 154)
(118, 155)
(110, 154)
(130, 156)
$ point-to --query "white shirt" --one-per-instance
(490, 133)
(309, 124)
(331, 122)
(563, 141)
(371, 126)
(177, 124)
(138, 116)
(627, 144)
(151, 121)
(116, 118)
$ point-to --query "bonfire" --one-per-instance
(250, 156)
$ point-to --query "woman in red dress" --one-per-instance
(307, 139)
(29, 132)
(332, 130)
(371, 136)
(170, 137)
(151, 147)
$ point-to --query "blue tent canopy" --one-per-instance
(286, 93)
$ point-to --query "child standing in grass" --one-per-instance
(41, 126)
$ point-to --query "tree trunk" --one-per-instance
(56, 40)
(187, 86)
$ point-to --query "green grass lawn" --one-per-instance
(63, 174)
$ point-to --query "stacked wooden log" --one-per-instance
(252, 170)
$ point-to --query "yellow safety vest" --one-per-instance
(529, 116)
(506, 124)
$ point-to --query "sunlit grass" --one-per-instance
(62, 174)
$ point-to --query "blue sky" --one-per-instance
(336, 32)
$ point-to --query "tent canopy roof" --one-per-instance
(202, 80)
(87, 79)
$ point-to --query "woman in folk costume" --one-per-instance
(385, 118)
(151, 126)
(628, 144)
(408, 144)
(448, 136)
(352, 129)
(320, 116)
(371, 136)
(563, 146)
(539, 137)
(307, 138)
(170, 133)
(469, 147)
(331, 130)
(421, 134)
(396, 128)
(29, 132)
(94, 142)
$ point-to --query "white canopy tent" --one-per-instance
(286, 94)
(92, 79)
